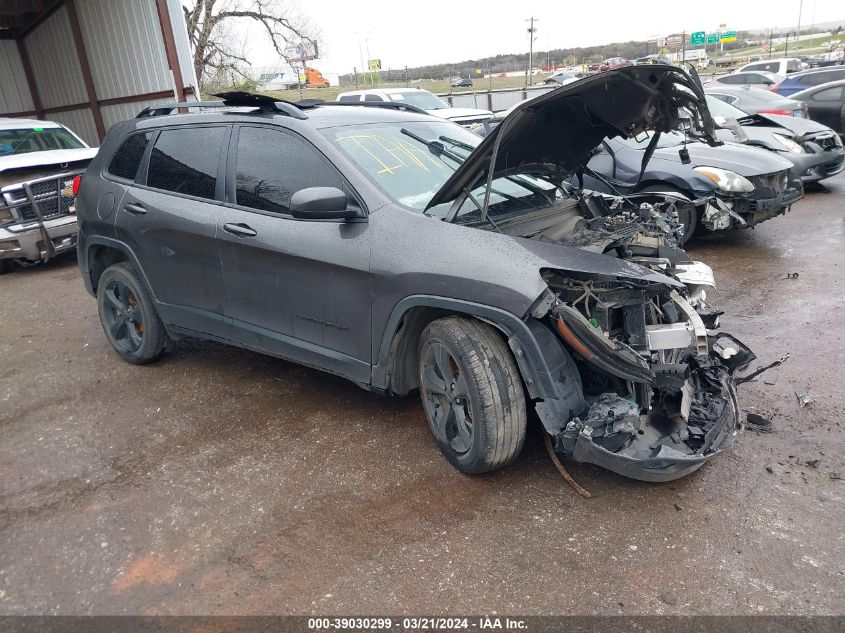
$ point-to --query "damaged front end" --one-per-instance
(650, 389)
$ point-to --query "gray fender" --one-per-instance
(84, 259)
(527, 346)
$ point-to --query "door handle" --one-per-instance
(135, 209)
(241, 230)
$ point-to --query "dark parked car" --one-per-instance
(807, 79)
(462, 83)
(402, 252)
(826, 104)
(757, 101)
(739, 186)
(814, 150)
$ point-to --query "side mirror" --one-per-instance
(322, 203)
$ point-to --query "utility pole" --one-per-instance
(798, 33)
(531, 31)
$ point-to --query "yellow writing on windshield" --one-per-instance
(393, 153)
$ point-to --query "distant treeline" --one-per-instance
(513, 62)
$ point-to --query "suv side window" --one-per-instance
(753, 67)
(350, 98)
(127, 158)
(793, 66)
(185, 160)
(733, 79)
(372, 97)
(272, 165)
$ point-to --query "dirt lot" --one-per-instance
(221, 481)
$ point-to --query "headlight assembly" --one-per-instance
(788, 143)
(726, 180)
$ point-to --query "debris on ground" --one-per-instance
(771, 378)
(669, 597)
(760, 369)
(812, 463)
(757, 422)
(834, 476)
(792, 275)
(804, 398)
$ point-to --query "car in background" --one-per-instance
(807, 79)
(814, 150)
(561, 78)
(40, 167)
(756, 101)
(738, 186)
(826, 104)
(653, 59)
(464, 82)
(780, 66)
(421, 99)
(613, 63)
(758, 79)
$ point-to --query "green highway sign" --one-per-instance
(712, 38)
(696, 38)
(728, 36)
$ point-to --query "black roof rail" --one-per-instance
(160, 109)
(263, 103)
(391, 105)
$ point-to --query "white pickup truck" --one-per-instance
(40, 166)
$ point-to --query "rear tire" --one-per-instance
(6, 266)
(472, 394)
(128, 316)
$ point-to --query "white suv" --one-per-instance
(780, 66)
(422, 99)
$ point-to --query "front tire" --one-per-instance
(128, 316)
(472, 394)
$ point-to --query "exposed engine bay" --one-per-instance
(645, 377)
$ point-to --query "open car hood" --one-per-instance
(555, 133)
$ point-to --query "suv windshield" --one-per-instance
(37, 139)
(420, 98)
(410, 171)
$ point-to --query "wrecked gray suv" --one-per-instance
(401, 252)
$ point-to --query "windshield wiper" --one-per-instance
(435, 147)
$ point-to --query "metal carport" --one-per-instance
(91, 63)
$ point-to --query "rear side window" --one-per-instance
(829, 94)
(127, 158)
(734, 79)
(350, 98)
(793, 66)
(761, 66)
(185, 161)
(372, 98)
(273, 165)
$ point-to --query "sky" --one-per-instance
(415, 34)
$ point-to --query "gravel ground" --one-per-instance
(222, 481)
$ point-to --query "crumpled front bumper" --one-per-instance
(812, 167)
(666, 464)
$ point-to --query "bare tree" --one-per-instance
(216, 52)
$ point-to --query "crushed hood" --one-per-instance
(556, 132)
